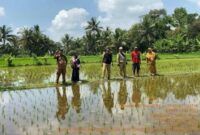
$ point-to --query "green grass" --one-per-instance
(28, 61)
(40, 76)
(35, 76)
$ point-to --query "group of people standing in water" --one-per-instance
(62, 64)
(122, 62)
(107, 61)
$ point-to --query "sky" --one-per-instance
(58, 17)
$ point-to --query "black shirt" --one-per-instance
(107, 58)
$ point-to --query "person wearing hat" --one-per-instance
(106, 62)
(121, 60)
(136, 60)
(61, 65)
(151, 61)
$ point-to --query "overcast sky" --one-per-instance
(57, 17)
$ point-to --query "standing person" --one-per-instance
(61, 65)
(75, 64)
(121, 60)
(151, 61)
(135, 55)
(107, 60)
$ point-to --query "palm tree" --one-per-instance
(5, 34)
(26, 39)
(37, 34)
(93, 26)
(105, 39)
(35, 41)
(119, 39)
(147, 32)
(67, 42)
(93, 33)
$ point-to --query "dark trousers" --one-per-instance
(136, 67)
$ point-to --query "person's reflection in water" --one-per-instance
(108, 97)
(122, 94)
(63, 106)
(76, 99)
(136, 96)
(151, 90)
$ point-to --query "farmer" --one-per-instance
(75, 64)
(135, 55)
(62, 63)
(121, 60)
(106, 62)
(151, 61)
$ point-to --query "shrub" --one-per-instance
(9, 60)
(36, 61)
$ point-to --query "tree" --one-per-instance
(9, 41)
(35, 42)
(105, 40)
(67, 42)
(93, 26)
(26, 39)
(180, 17)
(147, 32)
(119, 39)
(93, 32)
(5, 34)
(194, 28)
(192, 18)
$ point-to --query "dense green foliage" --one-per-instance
(174, 33)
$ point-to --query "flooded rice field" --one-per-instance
(160, 105)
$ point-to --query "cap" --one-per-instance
(120, 48)
(107, 49)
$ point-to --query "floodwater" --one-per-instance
(161, 105)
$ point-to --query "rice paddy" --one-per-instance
(167, 104)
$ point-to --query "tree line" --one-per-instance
(179, 32)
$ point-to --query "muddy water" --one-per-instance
(140, 106)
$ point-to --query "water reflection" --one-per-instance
(151, 89)
(136, 96)
(108, 97)
(109, 107)
(76, 100)
(16, 76)
(63, 106)
(122, 94)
